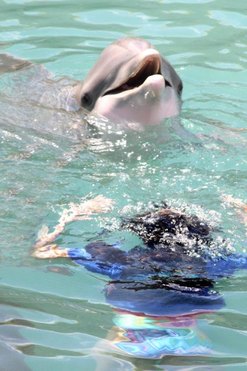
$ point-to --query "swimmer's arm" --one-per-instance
(51, 251)
(239, 205)
(45, 248)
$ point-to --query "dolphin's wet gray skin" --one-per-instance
(131, 82)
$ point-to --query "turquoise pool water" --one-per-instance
(53, 313)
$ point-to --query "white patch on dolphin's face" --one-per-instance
(131, 82)
(147, 104)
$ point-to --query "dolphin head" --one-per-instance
(131, 82)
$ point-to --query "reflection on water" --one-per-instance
(151, 337)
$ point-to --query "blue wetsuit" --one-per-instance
(174, 283)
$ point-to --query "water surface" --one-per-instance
(53, 313)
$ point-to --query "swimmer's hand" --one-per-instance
(50, 252)
(237, 204)
(82, 211)
(99, 204)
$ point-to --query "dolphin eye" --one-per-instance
(180, 88)
(86, 100)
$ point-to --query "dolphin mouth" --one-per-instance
(150, 66)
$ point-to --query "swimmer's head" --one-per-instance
(165, 225)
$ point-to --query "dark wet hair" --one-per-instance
(166, 226)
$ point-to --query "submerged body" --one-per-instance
(131, 82)
(167, 285)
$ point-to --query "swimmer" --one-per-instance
(176, 248)
(161, 286)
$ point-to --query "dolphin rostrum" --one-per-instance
(131, 82)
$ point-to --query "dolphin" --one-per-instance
(9, 63)
(131, 82)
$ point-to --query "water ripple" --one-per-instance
(53, 314)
